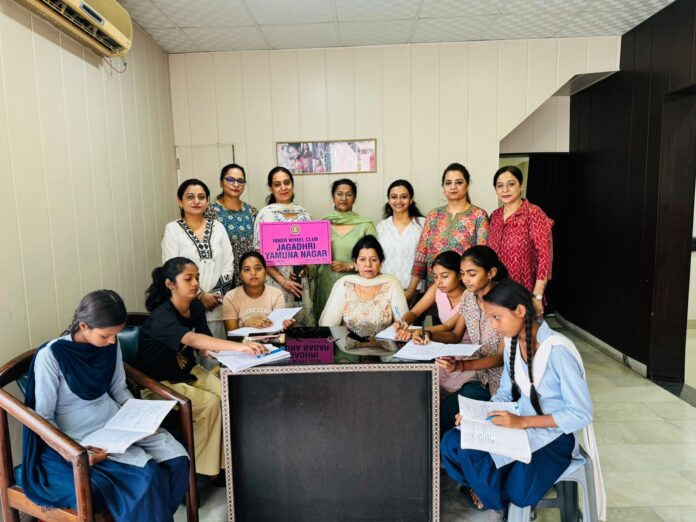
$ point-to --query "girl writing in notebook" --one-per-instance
(176, 327)
(77, 382)
(250, 304)
(544, 373)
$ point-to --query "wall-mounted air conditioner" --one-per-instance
(102, 25)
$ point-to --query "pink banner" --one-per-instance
(310, 351)
(298, 243)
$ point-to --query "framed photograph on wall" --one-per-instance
(328, 157)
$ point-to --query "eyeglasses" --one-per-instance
(457, 183)
(231, 180)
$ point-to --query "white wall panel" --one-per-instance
(427, 105)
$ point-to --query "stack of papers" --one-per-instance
(242, 361)
(277, 316)
(481, 434)
(389, 334)
(427, 352)
(136, 420)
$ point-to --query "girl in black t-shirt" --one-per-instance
(176, 327)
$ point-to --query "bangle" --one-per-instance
(538, 297)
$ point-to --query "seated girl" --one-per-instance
(478, 377)
(250, 304)
(544, 373)
(368, 302)
(446, 293)
(175, 328)
(77, 382)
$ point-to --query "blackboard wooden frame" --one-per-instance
(430, 369)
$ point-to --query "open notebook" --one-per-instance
(277, 316)
(242, 361)
(136, 420)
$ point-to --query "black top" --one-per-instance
(160, 352)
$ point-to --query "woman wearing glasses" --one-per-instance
(204, 241)
(236, 216)
(457, 226)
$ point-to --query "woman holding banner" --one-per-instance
(346, 228)
(294, 281)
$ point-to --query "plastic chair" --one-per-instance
(578, 473)
(12, 495)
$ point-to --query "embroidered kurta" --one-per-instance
(213, 256)
(523, 243)
(239, 225)
(443, 232)
(399, 248)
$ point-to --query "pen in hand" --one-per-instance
(269, 353)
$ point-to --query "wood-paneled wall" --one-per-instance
(623, 267)
(428, 105)
(87, 174)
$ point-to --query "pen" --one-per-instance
(490, 417)
(269, 353)
(397, 312)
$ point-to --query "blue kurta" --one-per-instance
(499, 480)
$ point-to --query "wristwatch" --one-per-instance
(539, 297)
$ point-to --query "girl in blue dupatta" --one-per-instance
(544, 374)
(77, 382)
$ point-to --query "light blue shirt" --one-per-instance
(563, 393)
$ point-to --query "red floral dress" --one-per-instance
(523, 243)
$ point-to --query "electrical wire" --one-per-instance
(107, 61)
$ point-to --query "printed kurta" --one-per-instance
(239, 225)
(523, 243)
(443, 232)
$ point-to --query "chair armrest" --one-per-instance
(56, 439)
(154, 386)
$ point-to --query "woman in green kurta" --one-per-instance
(347, 228)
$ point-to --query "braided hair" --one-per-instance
(510, 294)
(98, 309)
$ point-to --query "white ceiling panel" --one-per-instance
(301, 36)
(365, 10)
(449, 8)
(241, 25)
(206, 13)
(217, 38)
(279, 12)
(452, 29)
(375, 33)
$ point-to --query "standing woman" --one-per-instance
(77, 382)
(236, 216)
(347, 227)
(205, 242)
(456, 226)
(520, 232)
(293, 281)
(400, 232)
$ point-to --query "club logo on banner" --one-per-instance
(303, 243)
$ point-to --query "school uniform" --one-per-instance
(78, 388)
(563, 393)
(162, 356)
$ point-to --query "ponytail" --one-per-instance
(158, 292)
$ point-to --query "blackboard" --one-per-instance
(332, 446)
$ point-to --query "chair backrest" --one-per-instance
(128, 341)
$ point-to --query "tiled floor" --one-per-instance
(647, 444)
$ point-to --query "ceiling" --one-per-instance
(182, 26)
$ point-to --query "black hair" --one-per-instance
(458, 167)
(448, 259)
(512, 170)
(510, 294)
(158, 292)
(98, 309)
(486, 258)
(247, 255)
(412, 208)
(368, 241)
(186, 184)
(271, 198)
(226, 169)
(344, 181)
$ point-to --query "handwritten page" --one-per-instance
(277, 316)
(136, 420)
(480, 434)
(426, 352)
(242, 361)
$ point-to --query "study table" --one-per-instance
(331, 435)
